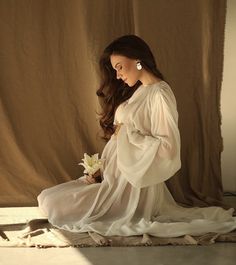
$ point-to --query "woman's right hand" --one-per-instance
(91, 179)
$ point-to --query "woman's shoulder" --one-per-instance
(162, 91)
(159, 88)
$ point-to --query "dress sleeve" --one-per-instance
(146, 160)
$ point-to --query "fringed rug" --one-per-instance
(40, 233)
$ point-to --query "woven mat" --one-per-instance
(40, 233)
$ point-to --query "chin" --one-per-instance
(131, 84)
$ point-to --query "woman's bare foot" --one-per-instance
(146, 240)
(100, 240)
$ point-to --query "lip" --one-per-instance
(124, 80)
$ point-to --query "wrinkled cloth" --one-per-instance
(133, 199)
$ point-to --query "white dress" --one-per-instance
(133, 198)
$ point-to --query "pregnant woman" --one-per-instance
(140, 122)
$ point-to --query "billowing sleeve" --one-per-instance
(146, 159)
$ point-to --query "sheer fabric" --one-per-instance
(133, 198)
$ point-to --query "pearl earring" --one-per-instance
(139, 66)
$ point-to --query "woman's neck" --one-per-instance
(149, 78)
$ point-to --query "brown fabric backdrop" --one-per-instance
(188, 40)
(48, 77)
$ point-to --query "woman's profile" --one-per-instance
(140, 123)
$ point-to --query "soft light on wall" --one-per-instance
(228, 106)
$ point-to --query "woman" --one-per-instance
(140, 122)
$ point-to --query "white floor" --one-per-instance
(216, 254)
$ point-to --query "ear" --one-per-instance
(139, 65)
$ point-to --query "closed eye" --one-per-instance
(118, 67)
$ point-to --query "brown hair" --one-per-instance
(112, 91)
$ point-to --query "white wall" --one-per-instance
(228, 101)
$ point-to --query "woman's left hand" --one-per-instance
(118, 126)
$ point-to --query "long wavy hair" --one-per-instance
(112, 91)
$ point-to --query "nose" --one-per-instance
(118, 75)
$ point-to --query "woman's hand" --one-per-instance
(95, 178)
(118, 126)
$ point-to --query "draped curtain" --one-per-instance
(49, 53)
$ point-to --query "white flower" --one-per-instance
(92, 164)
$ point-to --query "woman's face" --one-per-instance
(126, 69)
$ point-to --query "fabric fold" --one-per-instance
(148, 158)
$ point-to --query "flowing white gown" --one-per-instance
(133, 198)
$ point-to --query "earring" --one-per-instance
(139, 66)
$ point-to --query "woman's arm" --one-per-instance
(146, 160)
